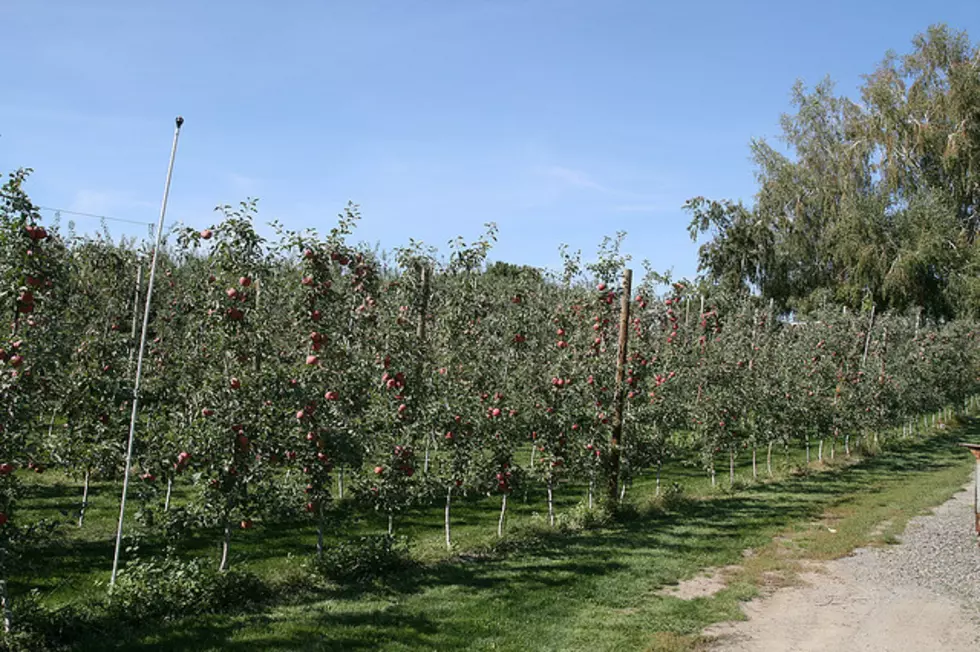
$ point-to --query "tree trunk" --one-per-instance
(551, 504)
(591, 489)
(340, 483)
(769, 460)
(81, 513)
(170, 491)
(391, 523)
(659, 465)
(731, 467)
(847, 445)
(449, 500)
(820, 451)
(755, 467)
(711, 473)
(503, 512)
(225, 548)
(807, 448)
(319, 538)
(425, 466)
(8, 616)
(833, 447)
(622, 491)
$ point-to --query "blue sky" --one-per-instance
(562, 121)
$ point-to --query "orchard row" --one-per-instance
(281, 376)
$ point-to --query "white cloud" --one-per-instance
(571, 177)
(108, 202)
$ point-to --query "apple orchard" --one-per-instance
(285, 377)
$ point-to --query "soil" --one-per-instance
(917, 595)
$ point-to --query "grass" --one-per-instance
(580, 589)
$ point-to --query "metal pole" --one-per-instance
(139, 360)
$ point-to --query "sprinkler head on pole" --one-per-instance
(180, 122)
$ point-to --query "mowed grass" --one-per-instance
(585, 589)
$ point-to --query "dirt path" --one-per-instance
(920, 595)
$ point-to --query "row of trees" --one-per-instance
(282, 376)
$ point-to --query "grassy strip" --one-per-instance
(577, 589)
(599, 589)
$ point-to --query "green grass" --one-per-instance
(576, 590)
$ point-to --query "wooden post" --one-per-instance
(975, 449)
(867, 339)
(615, 440)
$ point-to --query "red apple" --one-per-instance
(247, 524)
(206, 412)
(206, 234)
(378, 470)
(6, 468)
(244, 281)
(3, 519)
(235, 383)
(331, 395)
(232, 293)
(312, 360)
(16, 361)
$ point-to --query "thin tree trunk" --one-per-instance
(533, 448)
(8, 616)
(847, 444)
(591, 489)
(755, 468)
(449, 499)
(659, 465)
(820, 451)
(503, 512)
(769, 460)
(711, 472)
(622, 491)
(170, 491)
(425, 467)
(551, 504)
(833, 447)
(731, 467)
(81, 513)
(225, 548)
(391, 523)
(319, 538)
(807, 448)
(340, 483)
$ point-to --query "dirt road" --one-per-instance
(920, 595)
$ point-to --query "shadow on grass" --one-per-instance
(545, 566)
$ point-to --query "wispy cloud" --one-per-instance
(242, 184)
(108, 202)
(571, 177)
(653, 207)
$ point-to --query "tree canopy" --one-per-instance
(874, 198)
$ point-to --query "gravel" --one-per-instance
(938, 552)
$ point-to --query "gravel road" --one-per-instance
(922, 594)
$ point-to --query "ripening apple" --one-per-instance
(206, 412)
(244, 281)
(246, 524)
(307, 281)
(402, 408)
(16, 361)
(232, 293)
(206, 234)
(331, 395)
(316, 315)
(148, 477)
(6, 468)
(378, 470)
(601, 287)
(3, 519)
(235, 383)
